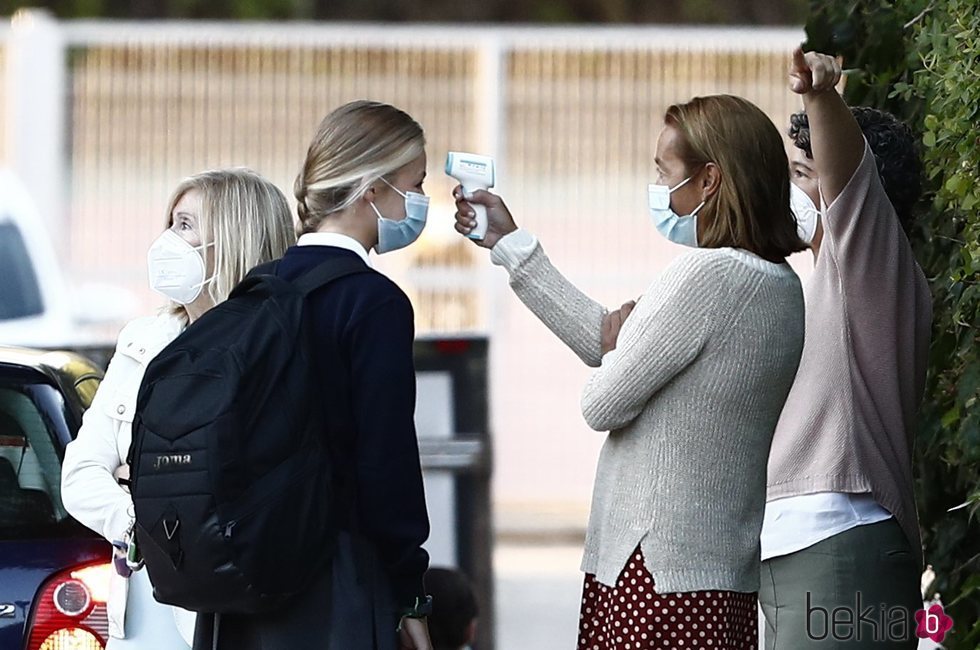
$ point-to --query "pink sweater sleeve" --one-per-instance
(885, 298)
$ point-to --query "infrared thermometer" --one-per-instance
(474, 172)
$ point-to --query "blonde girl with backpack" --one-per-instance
(360, 189)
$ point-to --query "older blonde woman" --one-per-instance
(220, 224)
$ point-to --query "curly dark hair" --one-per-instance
(895, 150)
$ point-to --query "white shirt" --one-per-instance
(337, 240)
(795, 523)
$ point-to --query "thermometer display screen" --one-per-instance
(473, 165)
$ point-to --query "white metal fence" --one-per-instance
(102, 119)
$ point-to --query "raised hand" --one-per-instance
(812, 72)
(835, 137)
(499, 220)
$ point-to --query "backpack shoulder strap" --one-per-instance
(328, 271)
(265, 279)
(262, 277)
(269, 268)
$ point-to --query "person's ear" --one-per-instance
(710, 180)
(371, 193)
(368, 198)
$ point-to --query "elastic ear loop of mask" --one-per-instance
(377, 211)
(385, 181)
(213, 276)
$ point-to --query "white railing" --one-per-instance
(102, 118)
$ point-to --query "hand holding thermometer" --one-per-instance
(474, 172)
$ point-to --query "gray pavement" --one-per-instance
(538, 592)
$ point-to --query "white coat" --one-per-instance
(89, 488)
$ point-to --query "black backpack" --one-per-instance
(230, 469)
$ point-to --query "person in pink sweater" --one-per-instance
(842, 558)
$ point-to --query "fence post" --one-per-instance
(492, 99)
(36, 114)
(491, 115)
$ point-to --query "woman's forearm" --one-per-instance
(89, 491)
(574, 318)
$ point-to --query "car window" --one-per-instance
(32, 422)
(20, 295)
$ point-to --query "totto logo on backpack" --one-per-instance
(229, 465)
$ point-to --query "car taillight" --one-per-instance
(70, 613)
(72, 639)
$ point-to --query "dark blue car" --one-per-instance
(54, 573)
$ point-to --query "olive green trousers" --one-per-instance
(858, 589)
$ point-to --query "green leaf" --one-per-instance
(956, 184)
(950, 417)
(969, 383)
(970, 587)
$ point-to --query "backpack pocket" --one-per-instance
(276, 529)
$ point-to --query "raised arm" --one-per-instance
(835, 137)
(571, 315)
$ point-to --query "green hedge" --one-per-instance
(921, 60)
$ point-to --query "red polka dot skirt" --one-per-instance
(633, 616)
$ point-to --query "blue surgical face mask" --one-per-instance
(678, 229)
(393, 234)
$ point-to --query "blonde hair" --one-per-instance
(751, 208)
(247, 219)
(354, 146)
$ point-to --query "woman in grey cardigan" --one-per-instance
(690, 388)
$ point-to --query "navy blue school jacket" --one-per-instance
(364, 328)
(364, 332)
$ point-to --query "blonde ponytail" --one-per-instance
(354, 146)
